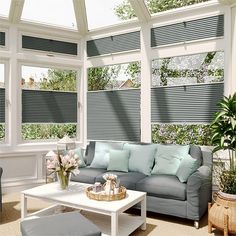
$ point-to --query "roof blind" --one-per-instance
(114, 44)
(2, 38)
(49, 45)
(188, 31)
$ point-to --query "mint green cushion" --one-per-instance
(168, 158)
(79, 152)
(188, 165)
(102, 153)
(100, 160)
(119, 160)
(141, 157)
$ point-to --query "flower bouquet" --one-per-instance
(64, 165)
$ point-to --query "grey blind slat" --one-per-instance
(2, 105)
(187, 31)
(2, 38)
(113, 44)
(114, 115)
(49, 45)
(190, 103)
(49, 107)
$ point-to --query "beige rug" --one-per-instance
(157, 225)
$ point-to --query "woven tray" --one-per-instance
(103, 197)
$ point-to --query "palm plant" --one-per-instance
(223, 128)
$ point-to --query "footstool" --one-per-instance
(63, 224)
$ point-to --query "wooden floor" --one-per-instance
(157, 225)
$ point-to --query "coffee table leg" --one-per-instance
(114, 224)
(143, 213)
(23, 206)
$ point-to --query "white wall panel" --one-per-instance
(22, 169)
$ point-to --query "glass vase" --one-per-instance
(63, 180)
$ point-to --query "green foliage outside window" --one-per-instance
(125, 11)
(197, 134)
(2, 132)
(47, 131)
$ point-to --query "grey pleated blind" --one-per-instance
(188, 31)
(49, 45)
(190, 103)
(113, 44)
(2, 38)
(114, 115)
(2, 105)
(49, 107)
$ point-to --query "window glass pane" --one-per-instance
(114, 77)
(106, 12)
(5, 7)
(51, 86)
(53, 12)
(155, 6)
(2, 103)
(192, 69)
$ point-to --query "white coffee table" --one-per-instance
(119, 223)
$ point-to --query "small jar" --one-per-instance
(97, 187)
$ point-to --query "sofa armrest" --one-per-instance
(199, 190)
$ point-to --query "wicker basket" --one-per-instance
(103, 197)
(222, 215)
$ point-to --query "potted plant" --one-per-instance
(224, 138)
(223, 214)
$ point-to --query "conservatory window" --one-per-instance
(53, 12)
(49, 103)
(109, 10)
(5, 7)
(113, 102)
(160, 6)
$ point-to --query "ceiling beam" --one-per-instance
(81, 16)
(16, 11)
(140, 10)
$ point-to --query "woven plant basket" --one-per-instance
(222, 214)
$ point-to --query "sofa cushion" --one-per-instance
(87, 175)
(102, 153)
(196, 153)
(127, 180)
(188, 165)
(79, 152)
(163, 186)
(141, 157)
(168, 157)
(100, 160)
(89, 153)
(119, 160)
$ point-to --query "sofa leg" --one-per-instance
(196, 224)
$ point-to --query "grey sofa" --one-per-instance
(165, 193)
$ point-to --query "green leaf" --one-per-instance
(222, 140)
(218, 116)
(233, 122)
